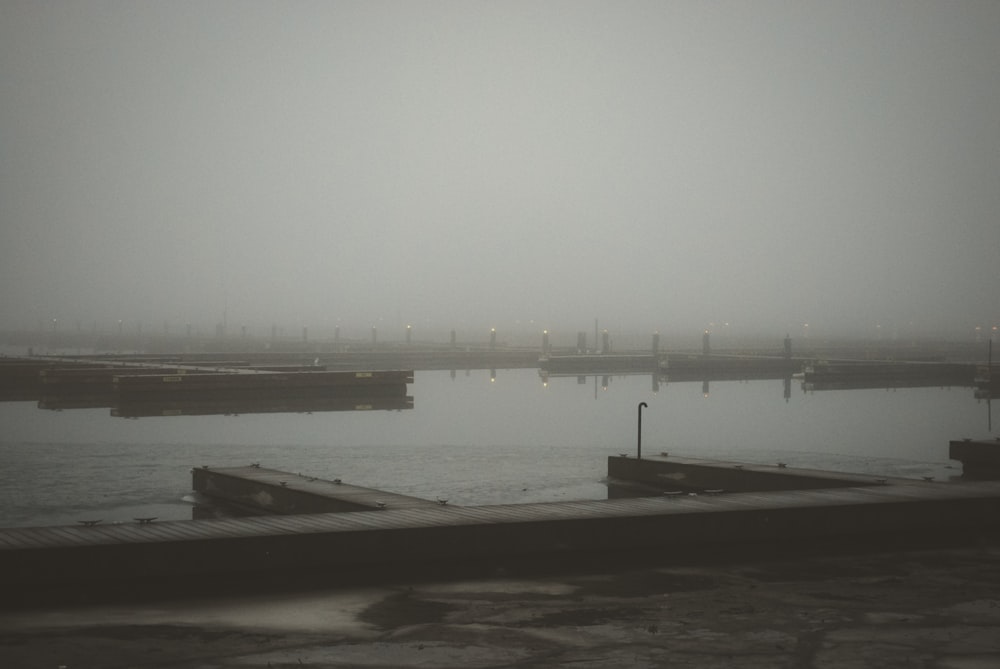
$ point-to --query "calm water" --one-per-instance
(472, 440)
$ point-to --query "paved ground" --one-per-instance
(915, 609)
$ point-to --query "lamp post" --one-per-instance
(639, 440)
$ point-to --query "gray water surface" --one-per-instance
(473, 439)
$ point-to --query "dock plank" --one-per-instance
(35, 537)
(177, 530)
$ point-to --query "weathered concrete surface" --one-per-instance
(936, 609)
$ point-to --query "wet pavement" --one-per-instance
(936, 609)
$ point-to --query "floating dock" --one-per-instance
(93, 562)
(262, 490)
(318, 402)
(598, 364)
(980, 459)
(258, 382)
(859, 374)
(722, 367)
(669, 474)
(200, 385)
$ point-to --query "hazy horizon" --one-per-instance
(665, 166)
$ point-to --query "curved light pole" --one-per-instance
(639, 441)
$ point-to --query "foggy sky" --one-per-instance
(661, 165)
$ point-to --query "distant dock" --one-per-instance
(138, 386)
(858, 374)
(88, 380)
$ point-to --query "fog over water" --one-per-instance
(513, 164)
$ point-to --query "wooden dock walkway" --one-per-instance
(51, 561)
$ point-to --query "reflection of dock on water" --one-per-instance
(704, 366)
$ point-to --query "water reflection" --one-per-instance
(981, 391)
(657, 381)
(476, 437)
